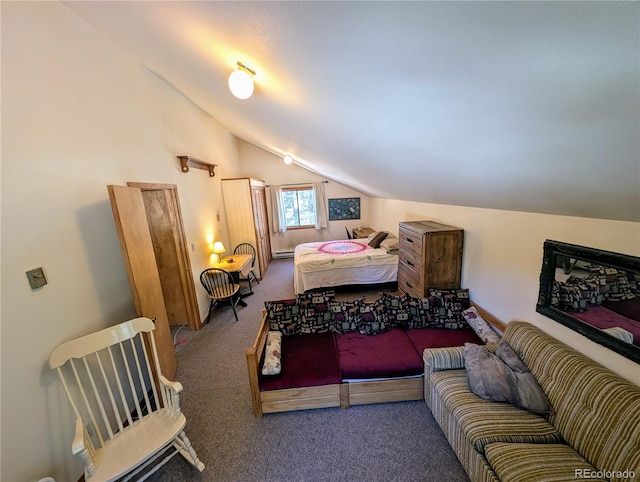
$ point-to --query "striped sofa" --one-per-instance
(592, 433)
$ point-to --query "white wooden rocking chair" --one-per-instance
(122, 427)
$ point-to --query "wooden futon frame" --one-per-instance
(341, 395)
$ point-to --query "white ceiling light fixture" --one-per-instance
(288, 159)
(241, 81)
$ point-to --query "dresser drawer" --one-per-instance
(408, 284)
(411, 260)
(410, 241)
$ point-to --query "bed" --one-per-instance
(328, 264)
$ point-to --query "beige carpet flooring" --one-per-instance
(382, 442)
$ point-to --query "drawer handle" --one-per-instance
(409, 239)
(409, 262)
(408, 284)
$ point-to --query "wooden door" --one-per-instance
(140, 261)
(164, 217)
(262, 228)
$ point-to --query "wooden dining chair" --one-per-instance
(246, 248)
(220, 285)
(128, 417)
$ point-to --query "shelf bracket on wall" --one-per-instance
(186, 162)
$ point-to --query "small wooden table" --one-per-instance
(234, 264)
(362, 232)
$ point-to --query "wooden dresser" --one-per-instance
(430, 256)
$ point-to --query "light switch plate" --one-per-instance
(36, 278)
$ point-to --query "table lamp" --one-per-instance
(218, 248)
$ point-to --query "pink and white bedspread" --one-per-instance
(337, 263)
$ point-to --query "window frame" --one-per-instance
(315, 214)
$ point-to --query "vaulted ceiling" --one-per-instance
(526, 106)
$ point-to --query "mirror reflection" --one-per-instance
(594, 292)
(603, 297)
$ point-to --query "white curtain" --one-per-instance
(321, 205)
(278, 224)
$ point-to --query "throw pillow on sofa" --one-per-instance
(346, 315)
(315, 316)
(420, 313)
(395, 308)
(272, 354)
(503, 378)
(374, 318)
(283, 316)
(480, 325)
(448, 306)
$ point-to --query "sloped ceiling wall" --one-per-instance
(524, 106)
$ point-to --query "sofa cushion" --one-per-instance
(587, 398)
(388, 354)
(484, 422)
(524, 462)
(503, 378)
(307, 361)
(448, 305)
(375, 319)
(423, 338)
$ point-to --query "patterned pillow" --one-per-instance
(272, 354)
(283, 316)
(315, 314)
(591, 289)
(448, 306)
(634, 283)
(374, 318)
(480, 325)
(346, 315)
(617, 287)
(396, 309)
(569, 297)
(420, 313)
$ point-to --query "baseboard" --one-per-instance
(282, 254)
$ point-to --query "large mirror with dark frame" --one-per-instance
(594, 292)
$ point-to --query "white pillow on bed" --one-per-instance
(272, 354)
(390, 243)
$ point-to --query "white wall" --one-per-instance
(78, 114)
(263, 165)
(503, 257)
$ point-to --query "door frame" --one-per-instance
(186, 272)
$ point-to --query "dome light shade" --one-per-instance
(288, 159)
(241, 83)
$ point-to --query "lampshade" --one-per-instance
(241, 83)
(218, 247)
(288, 159)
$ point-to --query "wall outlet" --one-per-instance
(36, 278)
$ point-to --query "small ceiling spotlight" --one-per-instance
(288, 159)
(241, 81)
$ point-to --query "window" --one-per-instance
(299, 206)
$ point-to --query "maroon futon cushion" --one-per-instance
(388, 354)
(307, 361)
(422, 338)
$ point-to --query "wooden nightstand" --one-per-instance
(362, 232)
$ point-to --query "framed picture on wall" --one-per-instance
(344, 208)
